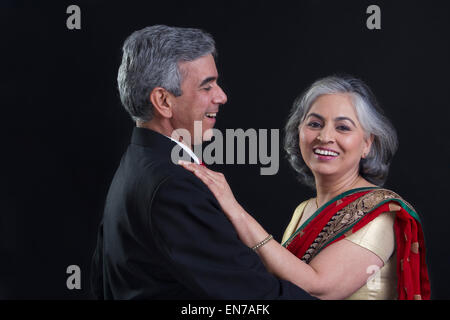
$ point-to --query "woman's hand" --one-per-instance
(218, 185)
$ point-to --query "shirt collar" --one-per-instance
(188, 150)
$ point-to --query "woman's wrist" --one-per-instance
(262, 243)
(235, 212)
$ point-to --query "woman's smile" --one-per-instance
(325, 154)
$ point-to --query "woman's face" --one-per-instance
(332, 141)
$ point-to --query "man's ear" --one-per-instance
(162, 102)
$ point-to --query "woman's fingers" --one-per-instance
(187, 165)
(196, 167)
(190, 166)
(201, 172)
(214, 180)
(206, 176)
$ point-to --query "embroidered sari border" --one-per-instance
(411, 212)
(319, 210)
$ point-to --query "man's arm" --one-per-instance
(204, 248)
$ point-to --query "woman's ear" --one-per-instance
(367, 145)
(161, 100)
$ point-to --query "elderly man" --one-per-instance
(163, 234)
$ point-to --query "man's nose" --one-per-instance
(220, 97)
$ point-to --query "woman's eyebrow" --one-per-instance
(335, 119)
(345, 118)
(315, 115)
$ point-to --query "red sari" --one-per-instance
(352, 210)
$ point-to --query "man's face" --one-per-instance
(201, 97)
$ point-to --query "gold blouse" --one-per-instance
(378, 237)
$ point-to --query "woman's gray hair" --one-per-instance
(151, 58)
(375, 166)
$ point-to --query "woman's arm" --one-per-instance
(335, 273)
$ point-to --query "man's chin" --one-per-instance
(198, 141)
(202, 132)
(207, 135)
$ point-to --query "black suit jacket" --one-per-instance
(164, 236)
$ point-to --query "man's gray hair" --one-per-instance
(375, 166)
(151, 58)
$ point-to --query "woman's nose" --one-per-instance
(326, 135)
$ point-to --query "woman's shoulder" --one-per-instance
(381, 194)
(301, 206)
(377, 236)
(295, 218)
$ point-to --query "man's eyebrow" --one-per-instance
(207, 80)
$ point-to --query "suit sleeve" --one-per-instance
(204, 249)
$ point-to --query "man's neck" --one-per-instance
(168, 131)
(162, 128)
(155, 126)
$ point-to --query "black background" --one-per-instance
(64, 130)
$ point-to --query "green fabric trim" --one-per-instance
(319, 210)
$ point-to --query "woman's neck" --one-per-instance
(329, 187)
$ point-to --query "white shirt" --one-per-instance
(188, 150)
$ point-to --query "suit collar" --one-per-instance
(157, 141)
(149, 138)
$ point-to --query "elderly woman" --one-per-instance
(354, 240)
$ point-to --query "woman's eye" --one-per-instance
(314, 124)
(343, 128)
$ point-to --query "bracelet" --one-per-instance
(259, 245)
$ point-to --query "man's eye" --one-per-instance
(207, 88)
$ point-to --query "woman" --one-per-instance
(339, 142)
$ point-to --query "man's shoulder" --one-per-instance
(176, 184)
(155, 160)
(174, 176)
(164, 172)
(149, 161)
(154, 169)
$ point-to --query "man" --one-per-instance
(163, 234)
